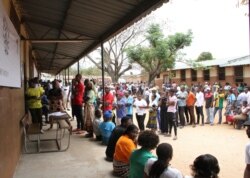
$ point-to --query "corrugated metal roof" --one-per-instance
(243, 60)
(91, 21)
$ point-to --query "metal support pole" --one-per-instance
(102, 56)
(65, 74)
(68, 75)
(78, 67)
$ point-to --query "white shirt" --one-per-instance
(172, 108)
(247, 153)
(199, 99)
(141, 103)
(248, 97)
(167, 173)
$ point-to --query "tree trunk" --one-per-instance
(150, 79)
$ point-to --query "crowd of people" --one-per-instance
(106, 113)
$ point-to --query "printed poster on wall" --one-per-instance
(10, 69)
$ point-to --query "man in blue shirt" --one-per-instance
(129, 104)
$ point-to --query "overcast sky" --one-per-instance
(218, 26)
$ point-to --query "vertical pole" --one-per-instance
(65, 74)
(102, 56)
(78, 67)
(68, 74)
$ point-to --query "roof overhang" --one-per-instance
(63, 31)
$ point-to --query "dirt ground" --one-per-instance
(222, 141)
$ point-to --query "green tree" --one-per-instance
(204, 56)
(161, 52)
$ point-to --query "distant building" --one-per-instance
(235, 70)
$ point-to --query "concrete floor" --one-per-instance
(86, 158)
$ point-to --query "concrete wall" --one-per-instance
(11, 111)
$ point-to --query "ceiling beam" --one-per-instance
(59, 53)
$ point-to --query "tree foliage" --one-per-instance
(160, 53)
(91, 71)
(204, 56)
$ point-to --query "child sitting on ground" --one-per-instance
(96, 123)
(230, 115)
(106, 127)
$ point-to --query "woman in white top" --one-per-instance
(160, 168)
(141, 106)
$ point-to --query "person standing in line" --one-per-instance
(33, 96)
(199, 106)
(120, 106)
(108, 99)
(191, 99)
(182, 96)
(247, 151)
(219, 99)
(141, 106)
(152, 120)
(164, 127)
(78, 102)
(129, 104)
(172, 101)
(89, 109)
(209, 98)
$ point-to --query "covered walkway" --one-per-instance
(50, 36)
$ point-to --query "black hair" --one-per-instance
(148, 140)
(131, 128)
(205, 166)
(164, 152)
(124, 120)
(98, 113)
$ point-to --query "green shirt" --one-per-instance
(91, 95)
(138, 160)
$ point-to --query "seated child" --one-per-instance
(96, 123)
(106, 127)
(230, 115)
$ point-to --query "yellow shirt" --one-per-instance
(123, 149)
(37, 92)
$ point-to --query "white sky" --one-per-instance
(218, 26)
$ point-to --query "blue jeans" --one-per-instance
(210, 117)
(220, 113)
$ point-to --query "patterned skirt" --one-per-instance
(120, 169)
(89, 116)
(152, 120)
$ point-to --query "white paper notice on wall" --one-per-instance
(10, 65)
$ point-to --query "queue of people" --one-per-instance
(169, 109)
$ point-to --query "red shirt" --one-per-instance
(79, 92)
(108, 98)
